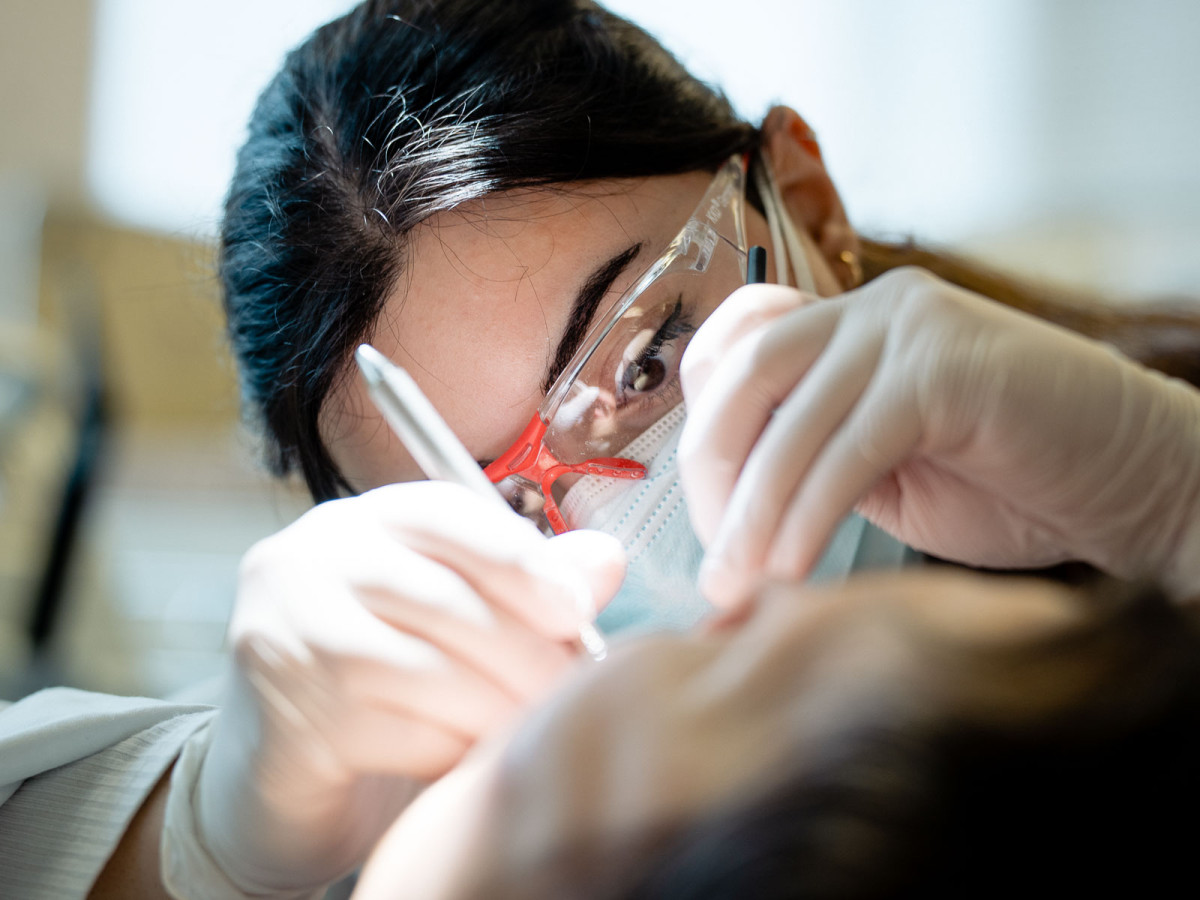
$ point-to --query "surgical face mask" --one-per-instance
(650, 519)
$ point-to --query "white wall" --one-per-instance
(173, 87)
(45, 65)
(1057, 135)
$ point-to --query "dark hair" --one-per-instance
(1063, 766)
(402, 109)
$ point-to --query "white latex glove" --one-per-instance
(376, 639)
(960, 426)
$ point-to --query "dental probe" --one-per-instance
(434, 447)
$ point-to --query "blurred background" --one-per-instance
(1056, 139)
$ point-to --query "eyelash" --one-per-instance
(673, 327)
(676, 325)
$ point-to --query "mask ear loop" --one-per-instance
(785, 238)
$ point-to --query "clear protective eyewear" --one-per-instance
(625, 375)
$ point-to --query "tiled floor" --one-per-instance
(155, 575)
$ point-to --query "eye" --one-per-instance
(646, 375)
(651, 356)
(521, 497)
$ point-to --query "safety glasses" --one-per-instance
(625, 375)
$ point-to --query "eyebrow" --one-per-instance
(584, 308)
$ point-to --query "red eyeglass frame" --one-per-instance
(530, 458)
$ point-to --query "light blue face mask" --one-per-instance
(650, 518)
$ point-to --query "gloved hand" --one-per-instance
(376, 639)
(960, 426)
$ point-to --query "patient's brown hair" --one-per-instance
(1063, 764)
(1162, 335)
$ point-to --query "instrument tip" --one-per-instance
(370, 363)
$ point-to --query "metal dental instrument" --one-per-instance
(434, 447)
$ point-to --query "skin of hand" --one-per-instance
(376, 640)
(962, 427)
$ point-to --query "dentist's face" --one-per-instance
(491, 292)
(674, 728)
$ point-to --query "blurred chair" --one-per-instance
(87, 452)
(52, 427)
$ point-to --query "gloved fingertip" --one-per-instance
(723, 585)
(728, 619)
(600, 559)
(564, 594)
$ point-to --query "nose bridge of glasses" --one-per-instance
(527, 455)
(530, 459)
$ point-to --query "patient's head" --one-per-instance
(939, 732)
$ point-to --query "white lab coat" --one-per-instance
(74, 768)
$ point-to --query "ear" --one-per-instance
(808, 193)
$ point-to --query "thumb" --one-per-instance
(598, 557)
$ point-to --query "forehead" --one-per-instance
(482, 300)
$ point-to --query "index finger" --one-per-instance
(745, 310)
(497, 552)
(727, 419)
